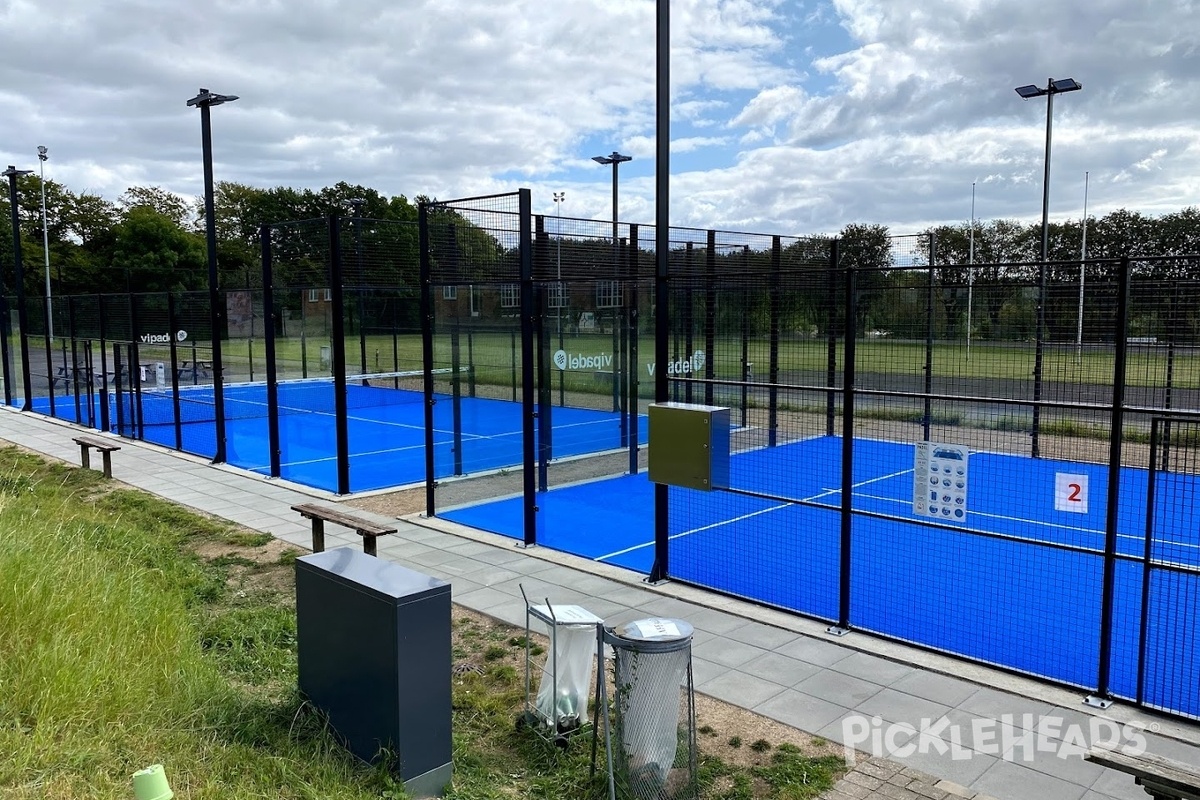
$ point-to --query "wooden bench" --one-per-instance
(319, 515)
(105, 446)
(1162, 778)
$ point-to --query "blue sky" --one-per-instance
(794, 117)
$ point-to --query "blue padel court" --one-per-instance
(385, 429)
(1018, 582)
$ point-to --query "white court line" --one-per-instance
(1044, 524)
(823, 493)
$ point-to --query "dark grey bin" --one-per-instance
(373, 642)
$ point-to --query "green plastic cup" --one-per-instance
(151, 784)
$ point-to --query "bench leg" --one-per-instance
(369, 544)
(85, 456)
(318, 533)
(107, 456)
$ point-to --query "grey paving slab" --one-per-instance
(988, 702)
(713, 621)
(726, 651)
(704, 671)
(1006, 780)
(845, 690)
(895, 706)
(871, 668)
(768, 637)
(814, 651)
(800, 710)
(1114, 784)
(739, 688)
(780, 668)
(932, 686)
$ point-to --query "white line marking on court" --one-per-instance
(823, 493)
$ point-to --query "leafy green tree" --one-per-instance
(168, 204)
(152, 253)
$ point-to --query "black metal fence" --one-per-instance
(504, 339)
(1050, 556)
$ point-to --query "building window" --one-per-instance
(510, 296)
(556, 295)
(449, 292)
(317, 295)
(608, 294)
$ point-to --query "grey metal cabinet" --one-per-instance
(373, 641)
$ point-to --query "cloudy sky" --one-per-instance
(788, 116)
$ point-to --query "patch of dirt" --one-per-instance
(726, 731)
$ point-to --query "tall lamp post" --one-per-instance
(559, 198)
(616, 159)
(12, 173)
(1052, 88)
(42, 156)
(204, 101)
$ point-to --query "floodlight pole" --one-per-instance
(42, 156)
(559, 198)
(1053, 87)
(616, 159)
(12, 173)
(204, 101)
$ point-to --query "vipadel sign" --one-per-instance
(681, 366)
(578, 361)
(161, 338)
(566, 361)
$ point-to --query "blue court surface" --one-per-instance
(1018, 583)
(385, 430)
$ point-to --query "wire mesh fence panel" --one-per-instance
(475, 349)
(1168, 658)
(772, 531)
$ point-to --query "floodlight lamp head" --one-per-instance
(13, 172)
(42, 152)
(615, 158)
(207, 98)
(1030, 91)
(560, 197)
(1065, 85)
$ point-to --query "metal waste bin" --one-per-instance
(653, 714)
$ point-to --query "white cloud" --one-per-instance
(794, 117)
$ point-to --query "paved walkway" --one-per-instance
(987, 734)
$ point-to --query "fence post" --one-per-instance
(337, 297)
(426, 303)
(528, 396)
(1102, 697)
(173, 347)
(747, 371)
(927, 417)
(268, 284)
(456, 397)
(773, 357)
(831, 338)
(104, 415)
(635, 331)
(710, 315)
(847, 508)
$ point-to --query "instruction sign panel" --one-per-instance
(1071, 493)
(940, 481)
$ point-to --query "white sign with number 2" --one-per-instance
(1071, 493)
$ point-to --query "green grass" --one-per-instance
(493, 355)
(122, 646)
